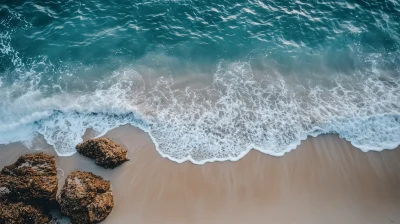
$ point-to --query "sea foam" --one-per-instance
(238, 112)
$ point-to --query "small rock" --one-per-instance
(86, 198)
(31, 179)
(21, 213)
(105, 152)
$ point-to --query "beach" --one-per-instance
(231, 111)
(324, 180)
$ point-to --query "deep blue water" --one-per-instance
(208, 80)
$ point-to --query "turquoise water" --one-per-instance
(208, 80)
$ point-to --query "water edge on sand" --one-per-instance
(325, 180)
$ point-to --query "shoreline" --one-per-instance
(325, 180)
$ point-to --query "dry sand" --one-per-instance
(325, 180)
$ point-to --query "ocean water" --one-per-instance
(208, 80)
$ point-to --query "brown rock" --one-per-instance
(21, 213)
(27, 188)
(31, 179)
(86, 198)
(105, 152)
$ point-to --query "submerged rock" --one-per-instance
(105, 152)
(21, 213)
(86, 198)
(31, 179)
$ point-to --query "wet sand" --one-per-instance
(325, 180)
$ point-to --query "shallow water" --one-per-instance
(208, 80)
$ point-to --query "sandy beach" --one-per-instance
(325, 180)
(181, 84)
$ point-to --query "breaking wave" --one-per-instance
(239, 111)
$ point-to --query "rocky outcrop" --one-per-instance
(27, 189)
(105, 152)
(86, 198)
(21, 213)
(31, 179)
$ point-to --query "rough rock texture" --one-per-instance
(28, 188)
(31, 179)
(21, 213)
(105, 152)
(86, 198)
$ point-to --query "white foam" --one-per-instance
(272, 118)
(220, 122)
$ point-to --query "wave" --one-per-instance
(241, 110)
